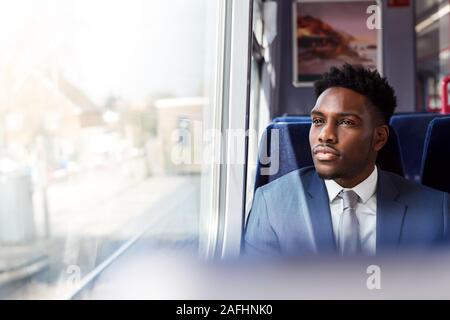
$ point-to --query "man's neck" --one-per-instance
(354, 181)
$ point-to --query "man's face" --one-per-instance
(344, 140)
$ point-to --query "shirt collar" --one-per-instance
(364, 190)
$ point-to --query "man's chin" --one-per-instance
(327, 174)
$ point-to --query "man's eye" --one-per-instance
(317, 121)
(346, 122)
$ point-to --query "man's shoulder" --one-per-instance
(289, 180)
(411, 188)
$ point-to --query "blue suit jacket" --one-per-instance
(291, 216)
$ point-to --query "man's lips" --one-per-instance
(325, 153)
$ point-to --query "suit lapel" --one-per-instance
(390, 214)
(320, 216)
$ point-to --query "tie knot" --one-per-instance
(350, 198)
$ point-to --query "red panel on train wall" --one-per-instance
(445, 109)
(398, 3)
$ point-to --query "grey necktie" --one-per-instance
(348, 236)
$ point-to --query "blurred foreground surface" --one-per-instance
(167, 275)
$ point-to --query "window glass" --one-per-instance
(101, 103)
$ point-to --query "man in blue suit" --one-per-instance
(344, 204)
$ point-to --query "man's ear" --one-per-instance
(380, 137)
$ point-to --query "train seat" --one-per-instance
(293, 151)
(435, 171)
(411, 129)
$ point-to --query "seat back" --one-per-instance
(435, 171)
(389, 157)
(284, 147)
(411, 129)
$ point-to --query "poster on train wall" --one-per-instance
(331, 33)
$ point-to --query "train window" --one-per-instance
(102, 104)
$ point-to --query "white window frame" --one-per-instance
(236, 107)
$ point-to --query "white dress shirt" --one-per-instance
(366, 209)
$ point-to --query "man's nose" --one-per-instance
(328, 133)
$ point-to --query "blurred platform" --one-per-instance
(22, 261)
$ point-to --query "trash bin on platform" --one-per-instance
(17, 224)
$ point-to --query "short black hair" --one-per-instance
(364, 81)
